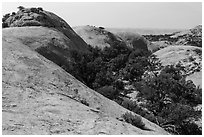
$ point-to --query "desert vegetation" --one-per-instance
(134, 120)
(169, 98)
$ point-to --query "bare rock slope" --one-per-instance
(39, 97)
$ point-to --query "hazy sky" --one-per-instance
(121, 14)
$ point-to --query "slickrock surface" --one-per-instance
(39, 97)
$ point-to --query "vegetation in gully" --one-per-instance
(169, 98)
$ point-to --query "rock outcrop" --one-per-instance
(39, 17)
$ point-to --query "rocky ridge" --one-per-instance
(39, 17)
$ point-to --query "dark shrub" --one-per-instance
(134, 107)
(101, 28)
(21, 7)
(172, 98)
(5, 17)
(130, 105)
(189, 128)
(108, 91)
(83, 101)
(39, 8)
(198, 51)
(4, 25)
(13, 13)
(134, 120)
(35, 10)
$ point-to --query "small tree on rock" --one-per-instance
(20, 7)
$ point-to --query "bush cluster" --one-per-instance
(134, 120)
(170, 98)
(134, 107)
(101, 68)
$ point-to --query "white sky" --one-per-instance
(120, 14)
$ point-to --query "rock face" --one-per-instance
(40, 17)
(188, 56)
(97, 36)
(39, 97)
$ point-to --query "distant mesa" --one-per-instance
(192, 37)
(144, 31)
